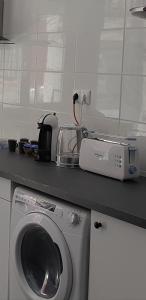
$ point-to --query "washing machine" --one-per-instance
(49, 248)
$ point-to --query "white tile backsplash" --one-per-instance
(89, 16)
(12, 57)
(108, 95)
(55, 52)
(135, 52)
(100, 52)
(63, 45)
(49, 88)
(20, 57)
(114, 13)
(1, 57)
(54, 90)
(1, 85)
(134, 98)
(12, 86)
(111, 51)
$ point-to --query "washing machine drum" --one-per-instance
(41, 259)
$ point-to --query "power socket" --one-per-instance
(84, 96)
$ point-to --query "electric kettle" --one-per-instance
(68, 145)
(48, 125)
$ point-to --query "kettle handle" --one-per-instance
(59, 141)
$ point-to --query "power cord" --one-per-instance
(75, 98)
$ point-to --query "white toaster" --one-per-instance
(114, 159)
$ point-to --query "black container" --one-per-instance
(21, 144)
(12, 145)
(44, 143)
(34, 142)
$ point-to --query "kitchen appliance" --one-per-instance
(68, 145)
(49, 248)
(48, 125)
(110, 158)
(3, 40)
(138, 8)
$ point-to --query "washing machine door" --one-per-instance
(41, 259)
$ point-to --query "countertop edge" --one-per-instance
(58, 193)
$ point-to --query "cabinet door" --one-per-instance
(5, 189)
(117, 260)
(4, 247)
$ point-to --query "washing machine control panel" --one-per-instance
(74, 218)
(34, 202)
(46, 204)
(41, 203)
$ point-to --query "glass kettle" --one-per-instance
(68, 145)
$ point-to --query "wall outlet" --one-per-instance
(84, 96)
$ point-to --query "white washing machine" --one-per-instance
(49, 249)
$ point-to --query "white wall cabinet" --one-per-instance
(117, 260)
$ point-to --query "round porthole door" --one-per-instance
(41, 259)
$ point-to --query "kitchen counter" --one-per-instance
(123, 200)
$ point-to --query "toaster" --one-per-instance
(114, 159)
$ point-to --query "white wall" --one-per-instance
(65, 44)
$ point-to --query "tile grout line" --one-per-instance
(3, 81)
(123, 53)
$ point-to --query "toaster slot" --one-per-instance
(132, 154)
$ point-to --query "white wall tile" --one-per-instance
(133, 106)
(12, 84)
(87, 53)
(56, 52)
(49, 88)
(1, 57)
(20, 56)
(53, 39)
(114, 13)
(19, 87)
(50, 15)
(27, 88)
(54, 91)
(88, 16)
(50, 59)
(100, 52)
(128, 128)
(1, 84)
(1, 114)
(14, 114)
(22, 116)
(87, 81)
(108, 95)
(111, 51)
(13, 57)
(134, 52)
(102, 125)
(105, 94)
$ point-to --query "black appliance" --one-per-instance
(47, 141)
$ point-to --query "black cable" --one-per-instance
(75, 98)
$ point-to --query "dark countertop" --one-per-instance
(123, 200)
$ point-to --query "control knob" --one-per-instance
(74, 218)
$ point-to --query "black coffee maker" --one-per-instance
(48, 125)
